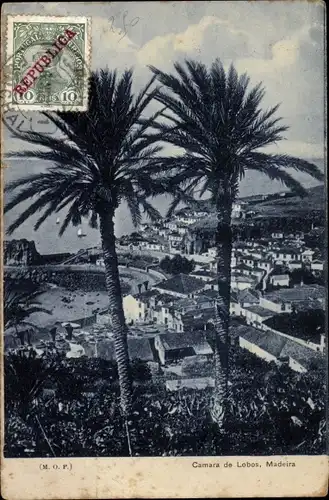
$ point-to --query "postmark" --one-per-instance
(49, 63)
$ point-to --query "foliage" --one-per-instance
(305, 275)
(20, 301)
(177, 265)
(107, 157)
(217, 119)
(306, 325)
(264, 398)
(140, 371)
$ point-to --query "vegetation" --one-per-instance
(75, 405)
(105, 156)
(217, 120)
(20, 301)
(177, 265)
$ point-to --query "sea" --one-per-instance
(47, 239)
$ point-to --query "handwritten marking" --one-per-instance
(123, 32)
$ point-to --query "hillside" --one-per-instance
(293, 206)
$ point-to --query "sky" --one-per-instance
(280, 43)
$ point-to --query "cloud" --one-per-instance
(162, 50)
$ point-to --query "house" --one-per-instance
(151, 244)
(273, 302)
(307, 255)
(282, 300)
(272, 346)
(292, 265)
(265, 264)
(317, 265)
(138, 348)
(198, 383)
(174, 237)
(137, 307)
(203, 275)
(248, 260)
(241, 299)
(181, 285)
(239, 282)
(286, 255)
(236, 210)
(212, 252)
(173, 347)
(100, 262)
(182, 229)
(255, 314)
(258, 273)
(171, 224)
(213, 266)
(212, 285)
(278, 235)
(280, 280)
(199, 319)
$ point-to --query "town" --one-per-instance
(277, 298)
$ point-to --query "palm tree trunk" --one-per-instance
(222, 313)
(116, 309)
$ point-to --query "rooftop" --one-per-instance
(195, 340)
(182, 283)
(297, 294)
(139, 348)
(261, 311)
(279, 346)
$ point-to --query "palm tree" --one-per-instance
(19, 304)
(218, 122)
(103, 157)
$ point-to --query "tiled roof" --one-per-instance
(138, 348)
(182, 283)
(247, 296)
(203, 273)
(297, 294)
(194, 340)
(261, 311)
(279, 346)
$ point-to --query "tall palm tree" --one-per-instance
(19, 304)
(217, 120)
(102, 157)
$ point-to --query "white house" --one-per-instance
(255, 314)
(212, 285)
(317, 265)
(307, 255)
(241, 282)
(181, 285)
(154, 245)
(206, 276)
(286, 255)
(212, 252)
(265, 264)
(100, 262)
(134, 309)
(278, 235)
(279, 280)
(236, 210)
(271, 302)
(292, 265)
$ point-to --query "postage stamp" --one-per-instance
(48, 62)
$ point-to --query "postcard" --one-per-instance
(163, 250)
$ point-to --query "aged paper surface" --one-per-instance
(163, 250)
